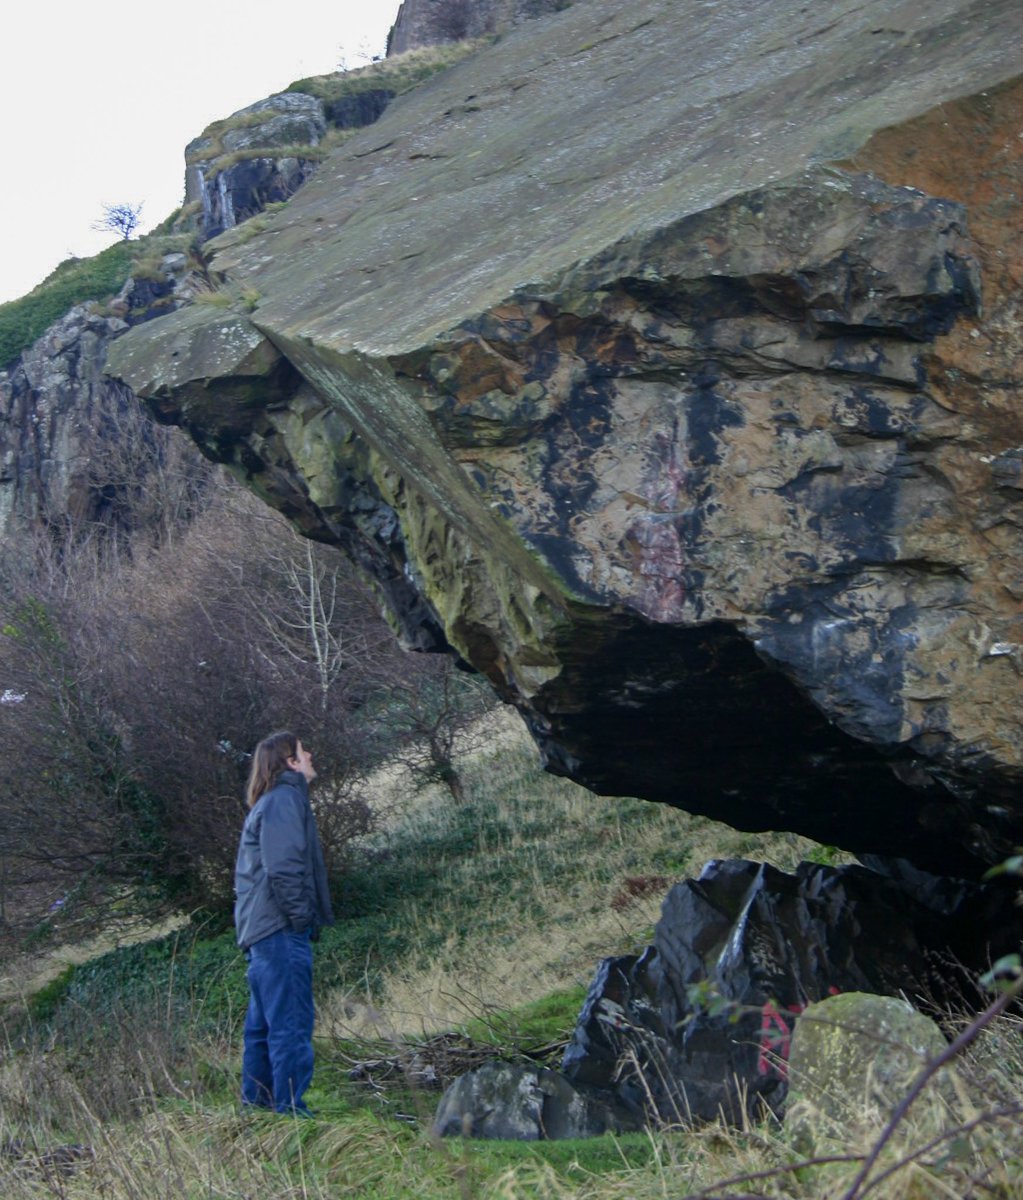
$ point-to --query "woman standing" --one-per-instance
(281, 900)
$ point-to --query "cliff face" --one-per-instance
(668, 359)
(255, 159)
(49, 407)
(427, 22)
(76, 449)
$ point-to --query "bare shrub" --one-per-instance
(142, 661)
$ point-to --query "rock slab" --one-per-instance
(699, 1026)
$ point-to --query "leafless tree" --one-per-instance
(69, 820)
(122, 219)
(154, 636)
(428, 713)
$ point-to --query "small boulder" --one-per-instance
(523, 1103)
(852, 1059)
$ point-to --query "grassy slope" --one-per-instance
(73, 282)
(487, 919)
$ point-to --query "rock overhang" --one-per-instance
(633, 370)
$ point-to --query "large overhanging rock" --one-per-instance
(626, 347)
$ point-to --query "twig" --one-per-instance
(772, 1173)
(993, 1114)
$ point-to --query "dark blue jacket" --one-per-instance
(280, 880)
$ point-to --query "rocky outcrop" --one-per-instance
(48, 408)
(78, 454)
(427, 22)
(700, 1024)
(260, 155)
(667, 358)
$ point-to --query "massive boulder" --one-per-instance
(665, 360)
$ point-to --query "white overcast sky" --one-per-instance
(97, 103)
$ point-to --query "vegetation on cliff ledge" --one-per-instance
(397, 74)
(75, 281)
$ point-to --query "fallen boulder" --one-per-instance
(699, 1026)
(525, 1103)
(853, 1059)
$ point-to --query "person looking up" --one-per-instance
(281, 901)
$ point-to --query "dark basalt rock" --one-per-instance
(698, 1026)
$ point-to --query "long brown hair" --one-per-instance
(269, 759)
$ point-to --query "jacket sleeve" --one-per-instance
(285, 854)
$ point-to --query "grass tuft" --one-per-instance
(399, 73)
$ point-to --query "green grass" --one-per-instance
(398, 74)
(75, 281)
(225, 162)
(543, 1022)
(79, 280)
(43, 1004)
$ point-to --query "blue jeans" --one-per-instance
(277, 1061)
